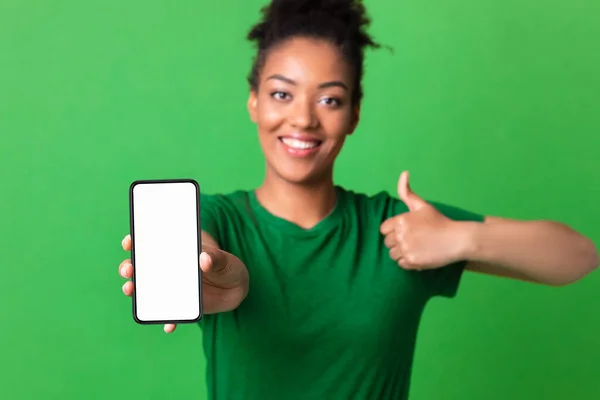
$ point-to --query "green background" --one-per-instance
(492, 106)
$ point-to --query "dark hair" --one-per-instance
(341, 22)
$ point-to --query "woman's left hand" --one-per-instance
(422, 238)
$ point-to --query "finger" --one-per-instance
(126, 269)
(389, 225)
(403, 186)
(395, 253)
(390, 240)
(170, 328)
(405, 264)
(128, 288)
(213, 261)
(410, 198)
(206, 263)
(126, 243)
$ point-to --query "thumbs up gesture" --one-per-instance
(422, 238)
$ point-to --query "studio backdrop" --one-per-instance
(493, 106)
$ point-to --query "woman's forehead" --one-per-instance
(307, 60)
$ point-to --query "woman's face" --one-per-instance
(303, 109)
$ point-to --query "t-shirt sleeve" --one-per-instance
(444, 281)
(211, 215)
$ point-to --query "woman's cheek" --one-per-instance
(271, 117)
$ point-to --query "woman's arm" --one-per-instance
(545, 252)
(225, 278)
(539, 251)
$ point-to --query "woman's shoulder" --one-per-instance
(364, 197)
(226, 201)
(221, 213)
(381, 203)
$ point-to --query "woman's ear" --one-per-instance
(251, 104)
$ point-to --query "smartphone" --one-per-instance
(165, 251)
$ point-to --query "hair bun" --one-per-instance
(336, 8)
(350, 13)
(282, 16)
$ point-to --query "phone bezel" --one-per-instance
(199, 248)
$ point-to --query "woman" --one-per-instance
(313, 291)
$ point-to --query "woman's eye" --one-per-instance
(280, 95)
(330, 101)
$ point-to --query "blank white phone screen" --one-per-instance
(166, 252)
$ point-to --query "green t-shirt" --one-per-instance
(329, 315)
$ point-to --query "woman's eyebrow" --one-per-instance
(321, 86)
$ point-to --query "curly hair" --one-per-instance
(341, 22)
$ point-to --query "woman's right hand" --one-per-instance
(224, 278)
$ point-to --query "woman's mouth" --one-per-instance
(300, 147)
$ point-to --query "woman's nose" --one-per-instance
(302, 115)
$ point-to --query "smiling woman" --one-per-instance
(313, 291)
(303, 109)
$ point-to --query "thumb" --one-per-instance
(212, 261)
(410, 198)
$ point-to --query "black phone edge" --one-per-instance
(132, 233)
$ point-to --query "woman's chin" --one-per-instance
(299, 176)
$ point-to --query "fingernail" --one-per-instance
(203, 258)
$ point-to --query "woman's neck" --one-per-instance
(302, 204)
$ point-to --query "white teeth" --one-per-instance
(300, 144)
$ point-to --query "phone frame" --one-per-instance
(199, 248)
